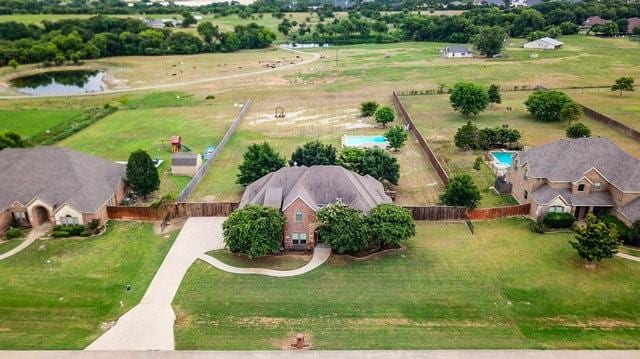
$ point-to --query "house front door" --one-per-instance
(581, 212)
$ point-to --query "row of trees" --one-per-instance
(470, 137)
(261, 159)
(101, 36)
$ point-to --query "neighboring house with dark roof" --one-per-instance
(56, 185)
(632, 23)
(451, 51)
(299, 192)
(594, 20)
(579, 176)
(545, 43)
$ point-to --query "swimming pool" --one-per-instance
(503, 158)
(365, 141)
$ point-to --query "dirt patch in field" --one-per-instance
(593, 323)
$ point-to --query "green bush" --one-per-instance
(13, 233)
(85, 234)
(627, 235)
(537, 226)
(60, 234)
(74, 230)
(559, 220)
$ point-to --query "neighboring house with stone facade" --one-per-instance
(579, 176)
(299, 192)
(56, 185)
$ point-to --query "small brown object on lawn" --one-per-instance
(299, 344)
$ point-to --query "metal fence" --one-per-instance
(193, 183)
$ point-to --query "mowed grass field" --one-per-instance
(504, 287)
(326, 119)
(438, 122)
(625, 108)
(56, 294)
(148, 122)
(29, 122)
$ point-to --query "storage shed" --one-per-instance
(185, 163)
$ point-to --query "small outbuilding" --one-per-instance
(185, 163)
(457, 51)
(546, 43)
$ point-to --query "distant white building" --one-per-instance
(546, 43)
(456, 51)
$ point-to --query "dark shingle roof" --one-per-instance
(546, 194)
(184, 159)
(457, 49)
(317, 186)
(632, 210)
(57, 176)
(569, 160)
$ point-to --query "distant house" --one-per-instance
(546, 43)
(594, 20)
(154, 23)
(185, 163)
(299, 192)
(56, 185)
(579, 176)
(633, 22)
(452, 51)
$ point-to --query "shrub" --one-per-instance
(94, 225)
(546, 105)
(85, 234)
(75, 230)
(461, 191)
(210, 97)
(368, 108)
(390, 224)
(559, 220)
(384, 115)
(343, 228)
(578, 130)
(259, 160)
(596, 240)
(13, 233)
(537, 226)
(254, 230)
(627, 234)
(60, 234)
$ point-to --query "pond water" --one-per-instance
(60, 82)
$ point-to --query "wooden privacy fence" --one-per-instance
(173, 210)
(451, 213)
(499, 212)
(611, 122)
(444, 177)
(186, 192)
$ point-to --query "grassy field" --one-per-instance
(326, 119)
(7, 245)
(438, 122)
(283, 262)
(625, 108)
(56, 294)
(504, 287)
(144, 122)
(29, 122)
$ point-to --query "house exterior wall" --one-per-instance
(5, 220)
(100, 215)
(458, 55)
(184, 170)
(308, 224)
(69, 211)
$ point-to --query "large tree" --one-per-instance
(397, 136)
(313, 153)
(368, 108)
(490, 40)
(578, 130)
(570, 112)
(461, 191)
(469, 98)
(259, 160)
(374, 162)
(390, 224)
(254, 230)
(343, 228)
(141, 174)
(596, 240)
(546, 105)
(623, 84)
(188, 19)
(466, 138)
(208, 31)
(11, 140)
(384, 115)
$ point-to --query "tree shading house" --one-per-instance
(299, 192)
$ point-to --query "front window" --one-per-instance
(68, 221)
(556, 209)
(580, 188)
(526, 174)
(298, 216)
(299, 238)
(20, 216)
(598, 186)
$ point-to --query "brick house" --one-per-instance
(300, 191)
(579, 176)
(56, 185)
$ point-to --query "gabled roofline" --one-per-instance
(553, 199)
(66, 204)
(300, 198)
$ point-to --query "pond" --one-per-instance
(60, 82)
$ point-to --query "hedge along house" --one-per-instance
(56, 185)
(299, 192)
(579, 176)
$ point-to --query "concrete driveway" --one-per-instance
(149, 325)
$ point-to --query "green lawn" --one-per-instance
(57, 293)
(625, 108)
(7, 245)
(505, 287)
(279, 262)
(148, 123)
(30, 122)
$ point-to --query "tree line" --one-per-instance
(102, 36)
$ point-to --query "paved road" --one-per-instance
(320, 255)
(149, 325)
(314, 56)
(356, 354)
(33, 235)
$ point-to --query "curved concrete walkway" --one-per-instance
(628, 256)
(31, 237)
(320, 255)
(314, 56)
